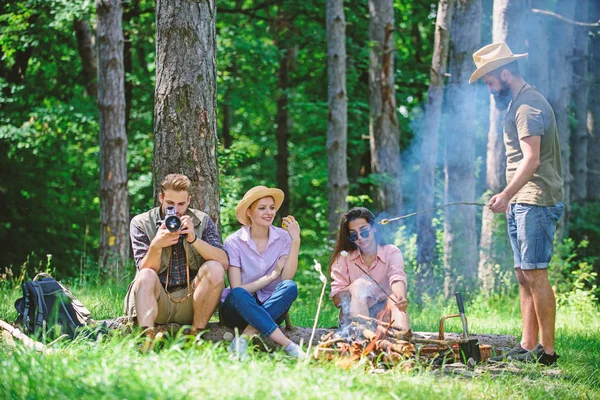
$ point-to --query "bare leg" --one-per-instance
(360, 291)
(208, 286)
(146, 297)
(545, 306)
(277, 336)
(529, 320)
(400, 318)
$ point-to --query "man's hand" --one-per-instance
(164, 238)
(290, 224)
(187, 228)
(499, 203)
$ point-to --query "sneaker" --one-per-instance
(293, 350)
(515, 351)
(239, 348)
(537, 355)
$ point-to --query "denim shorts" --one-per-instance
(531, 230)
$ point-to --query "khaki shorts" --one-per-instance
(179, 313)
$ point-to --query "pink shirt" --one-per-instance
(244, 254)
(387, 269)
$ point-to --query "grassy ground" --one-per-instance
(115, 369)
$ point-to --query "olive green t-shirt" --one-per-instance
(530, 114)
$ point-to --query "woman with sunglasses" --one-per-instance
(368, 277)
(262, 263)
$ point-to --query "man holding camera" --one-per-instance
(180, 261)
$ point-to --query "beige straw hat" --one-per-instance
(492, 57)
(256, 193)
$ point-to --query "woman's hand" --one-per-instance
(402, 303)
(278, 268)
(290, 224)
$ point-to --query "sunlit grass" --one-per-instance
(114, 368)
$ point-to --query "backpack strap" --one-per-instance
(42, 309)
(26, 305)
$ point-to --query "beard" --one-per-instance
(503, 96)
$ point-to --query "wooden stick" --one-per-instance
(27, 341)
(565, 19)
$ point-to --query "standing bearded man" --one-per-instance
(532, 198)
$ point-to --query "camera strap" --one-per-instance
(187, 268)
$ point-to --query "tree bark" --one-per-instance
(460, 241)
(536, 28)
(337, 119)
(114, 203)
(560, 69)
(508, 26)
(426, 236)
(384, 127)
(580, 88)
(282, 118)
(593, 118)
(85, 47)
(185, 129)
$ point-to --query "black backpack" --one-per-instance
(48, 309)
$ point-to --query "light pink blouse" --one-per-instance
(387, 269)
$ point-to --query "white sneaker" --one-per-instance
(239, 348)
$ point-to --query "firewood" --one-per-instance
(27, 341)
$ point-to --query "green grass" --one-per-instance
(114, 368)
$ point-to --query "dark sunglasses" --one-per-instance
(353, 236)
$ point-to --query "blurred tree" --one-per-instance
(114, 202)
(337, 118)
(593, 117)
(426, 235)
(460, 241)
(384, 127)
(508, 26)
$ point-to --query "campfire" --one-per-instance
(383, 345)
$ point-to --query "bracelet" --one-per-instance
(195, 237)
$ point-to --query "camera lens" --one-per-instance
(172, 221)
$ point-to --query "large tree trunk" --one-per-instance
(536, 28)
(460, 241)
(185, 129)
(579, 141)
(114, 207)
(337, 119)
(426, 236)
(282, 118)
(384, 126)
(508, 26)
(559, 95)
(85, 47)
(593, 121)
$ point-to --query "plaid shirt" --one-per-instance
(140, 243)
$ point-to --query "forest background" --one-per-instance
(271, 74)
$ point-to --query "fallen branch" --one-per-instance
(565, 19)
(27, 341)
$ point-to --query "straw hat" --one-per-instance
(492, 57)
(256, 193)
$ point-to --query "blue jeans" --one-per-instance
(531, 230)
(241, 308)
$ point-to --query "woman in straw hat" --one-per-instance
(367, 275)
(262, 263)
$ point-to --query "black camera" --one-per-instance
(172, 221)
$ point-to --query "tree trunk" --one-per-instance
(560, 68)
(85, 47)
(460, 241)
(536, 28)
(337, 119)
(426, 236)
(579, 141)
(508, 26)
(114, 207)
(281, 119)
(384, 127)
(593, 119)
(185, 129)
